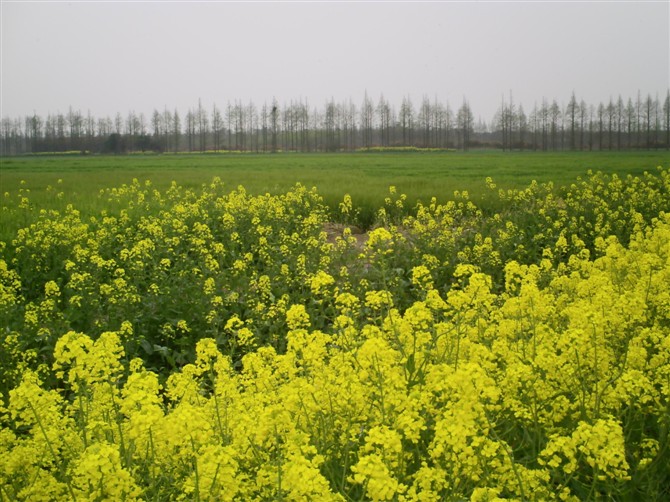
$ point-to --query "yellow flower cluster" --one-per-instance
(299, 369)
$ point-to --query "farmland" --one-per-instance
(366, 177)
(210, 327)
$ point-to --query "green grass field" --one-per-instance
(365, 176)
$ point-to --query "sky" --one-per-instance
(109, 57)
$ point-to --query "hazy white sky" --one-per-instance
(119, 56)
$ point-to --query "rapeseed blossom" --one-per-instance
(214, 346)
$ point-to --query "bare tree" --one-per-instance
(264, 126)
(424, 121)
(384, 112)
(217, 127)
(239, 120)
(5, 135)
(89, 129)
(304, 126)
(131, 130)
(583, 116)
(657, 122)
(329, 125)
(229, 120)
(592, 126)
(465, 124)
(274, 124)
(61, 135)
(637, 123)
(572, 113)
(50, 133)
(252, 126)
(167, 129)
(75, 123)
(506, 120)
(190, 129)
(176, 128)
(448, 125)
(157, 126)
(619, 114)
(118, 123)
(649, 112)
(611, 120)
(666, 116)
(34, 131)
(601, 125)
(523, 126)
(287, 127)
(367, 117)
(104, 127)
(638, 118)
(544, 124)
(556, 125)
(630, 122)
(438, 123)
(406, 119)
(349, 124)
(202, 124)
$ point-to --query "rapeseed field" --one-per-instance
(210, 344)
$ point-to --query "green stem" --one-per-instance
(118, 425)
(83, 425)
(51, 450)
(195, 468)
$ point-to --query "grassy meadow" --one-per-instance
(366, 177)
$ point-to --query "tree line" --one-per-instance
(633, 123)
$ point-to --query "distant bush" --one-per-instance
(403, 149)
(67, 152)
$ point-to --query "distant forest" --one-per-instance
(621, 124)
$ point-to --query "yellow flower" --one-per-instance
(321, 282)
(215, 475)
(422, 278)
(297, 317)
(371, 472)
(99, 475)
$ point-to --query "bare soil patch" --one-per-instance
(335, 230)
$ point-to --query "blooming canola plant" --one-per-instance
(213, 345)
